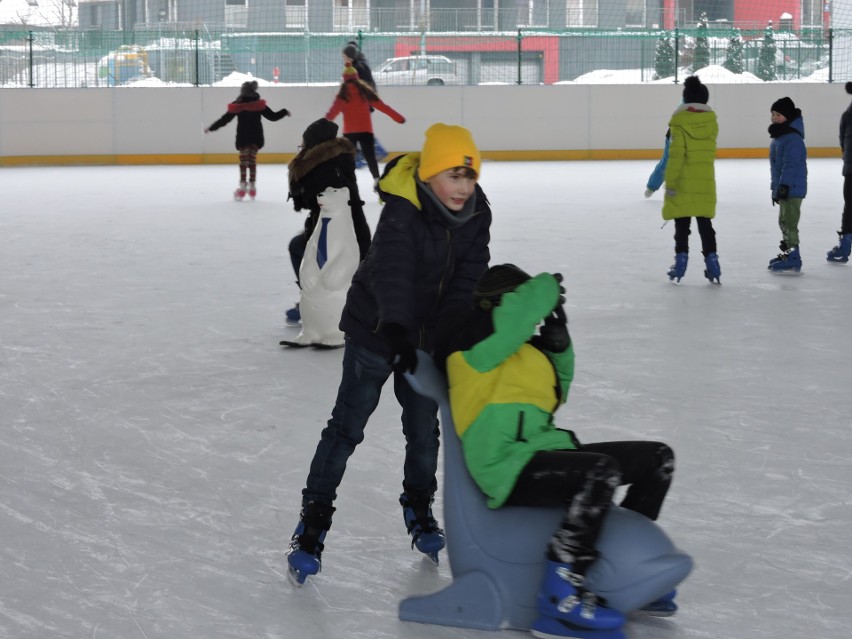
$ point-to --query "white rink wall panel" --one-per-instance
(607, 120)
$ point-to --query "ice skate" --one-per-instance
(712, 271)
(252, 190)
(240, 192)
(566, 609)
(788, 262)
(304, 558)
(665, 606)
(426, 536)
(293, 316)
(678, 269)
(840, 253)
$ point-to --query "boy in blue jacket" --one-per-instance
(788, 162)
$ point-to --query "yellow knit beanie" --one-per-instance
(446, 147)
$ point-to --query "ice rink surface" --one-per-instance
(155, 438)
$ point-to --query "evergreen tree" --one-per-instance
(664, 57)
(766, 60)
(734, 54)
(701, 52)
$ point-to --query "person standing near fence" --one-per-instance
(788, 164)
(354, 100)
(840, 253)
(248, 108)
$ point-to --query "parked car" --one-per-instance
(432, 70)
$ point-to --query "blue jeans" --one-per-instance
(364, 374)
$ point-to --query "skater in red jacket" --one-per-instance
(354, 101)
(248, 109)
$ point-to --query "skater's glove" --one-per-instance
(404, 358)
(774, 199)
(783, 192)
(553, 334)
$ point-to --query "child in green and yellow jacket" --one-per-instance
(510, 363)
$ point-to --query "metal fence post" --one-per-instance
(830, 55)
(196, 58)
(520, 38)
(677, 53)
(30, 39)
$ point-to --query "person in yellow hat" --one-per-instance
(429, 249)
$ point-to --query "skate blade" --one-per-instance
(786, 271)
(285, 342)
(550, 628)
(296, 578)
(327, 347)
(838, 262)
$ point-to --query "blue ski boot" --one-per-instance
(789, 262)
(566, 609)
(678, 269)
(840, 253)
(665, 606)
(712, 271)
(426, 536)
(304, 558)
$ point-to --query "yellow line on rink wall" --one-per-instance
(191, 159)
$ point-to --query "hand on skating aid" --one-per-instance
(553, 335)
(404, 358)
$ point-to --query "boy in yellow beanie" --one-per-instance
(429, 249)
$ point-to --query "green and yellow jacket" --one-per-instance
(504, 391)
(690, 172)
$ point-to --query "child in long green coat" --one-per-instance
(691, 179)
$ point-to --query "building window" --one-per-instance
(581, 13)
(236, 13)
(351, 15)
(635, 14)
(296, 13)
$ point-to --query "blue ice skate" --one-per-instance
(788, 262)
(304, 563)
(564, 604)
(665, 606)
(305, 555)
(426, 536)
(712, 271)
(840, 253)
(293, 316)
(678, 269)
(550, 628)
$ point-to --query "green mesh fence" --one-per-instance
(477, 53)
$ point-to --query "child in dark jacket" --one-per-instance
(510, 365)
(788, 163)
(248, 108)
(429, 249)
(840, 253)
(355, 100)
(323, 159)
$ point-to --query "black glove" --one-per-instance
(553, 334)
(783, 192)
(774, 201)
(404, 358)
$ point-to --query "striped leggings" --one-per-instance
(248, 163)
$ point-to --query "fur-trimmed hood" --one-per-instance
(309, 159)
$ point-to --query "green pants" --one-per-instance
(788, 220)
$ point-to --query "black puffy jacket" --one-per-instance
(422, 266)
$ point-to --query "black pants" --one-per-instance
(584, 480)
(297, 248)
(705, 230)
(846, 224)
(368, 147)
